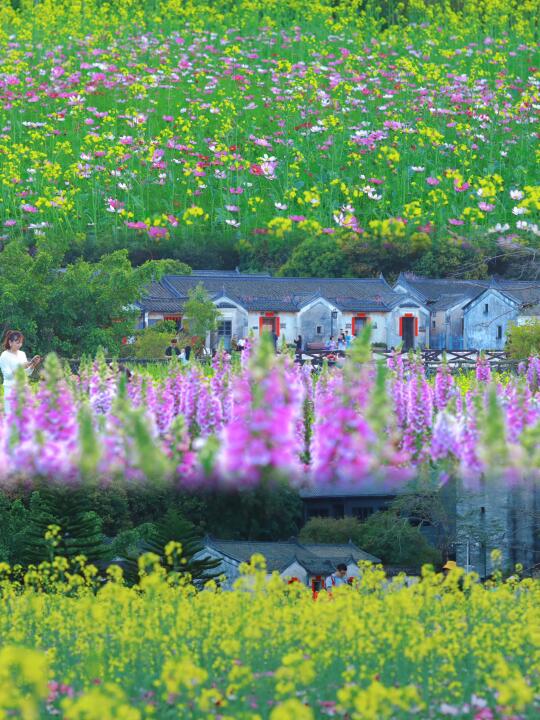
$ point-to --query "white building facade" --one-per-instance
(317, 309)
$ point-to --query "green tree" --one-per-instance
(13, 521)
(386, 535)
(319, 256)
(200, 312)
(155, 539)
(330, 530)
(80, 527)
(390, 253)
(76, 308)
(154, 340)
(522, 341)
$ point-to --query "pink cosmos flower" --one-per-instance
(454, 221)
(29, 208)
(432, 180)
(297, 218)
(157, 232)
(126, 140)
(168, 118)
(486, 207)
(10, 223)
(232, 208)
(461, 188)
(139, 225)
(236, 190)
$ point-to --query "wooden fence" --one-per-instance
(457, 360)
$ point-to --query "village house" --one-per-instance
(309, 563)
(315, 308)
(416, 313)
(472, 314)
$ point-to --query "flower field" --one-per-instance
(267, 650)
(270, 418)
(158, 125)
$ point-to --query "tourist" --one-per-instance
(173, 348)
(449, 566)
(331, 344)
(341, 344)
(298, 345)
(348, 339)
(337, 578)
(11, 360)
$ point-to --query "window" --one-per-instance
(224, 328)
(434, 324)
(499, 332)
(317, 512)
(362, 513)
(319, 330)
(486, 309)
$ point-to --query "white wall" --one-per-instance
(295, 570)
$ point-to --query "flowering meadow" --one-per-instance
(376, 651)
(161, 126)
(271, 418)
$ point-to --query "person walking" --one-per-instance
(11, 359)
(337, 578)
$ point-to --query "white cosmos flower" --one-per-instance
(517, 194)
(519, 211)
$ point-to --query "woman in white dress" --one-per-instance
(11, 360)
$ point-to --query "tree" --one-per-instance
(80, 528)
(522, 341)
(156, 538)
(75, 309)
(153, 341)
(200, 312)
(386, 535)
(318, 256)
(13, 521)
(330, 530)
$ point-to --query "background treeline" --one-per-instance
(120, 523)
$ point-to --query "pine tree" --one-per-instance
(173, 527)
(80, 528)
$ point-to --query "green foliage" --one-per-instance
(76, 310)
(80, 528)
(13, 521)
(522, 341)
(330, 530)
(386, 535)
(156, 538)
(318, 256)
(200, 312)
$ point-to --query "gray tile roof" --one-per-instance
(279, 555)
(444, 293)
(369, 488)
(263, 292)
(441, 294)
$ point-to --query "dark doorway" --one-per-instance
(408, 333)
